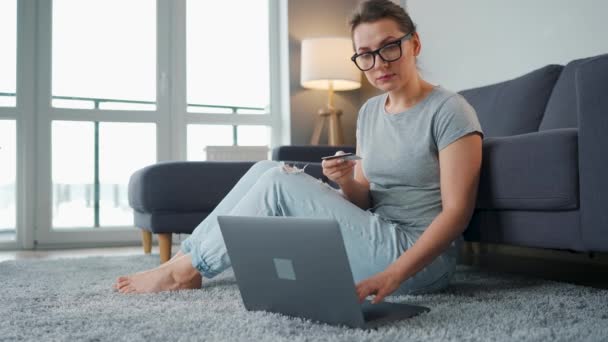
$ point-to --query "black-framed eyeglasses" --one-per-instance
(389, 53)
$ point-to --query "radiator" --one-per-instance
(237, 153)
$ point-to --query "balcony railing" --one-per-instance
(96, 101)
(96, 105)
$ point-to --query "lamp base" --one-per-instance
(335, 136)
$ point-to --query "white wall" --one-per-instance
(469, 43)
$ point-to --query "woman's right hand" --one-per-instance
(339, 170)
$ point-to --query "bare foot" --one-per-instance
(175, 275)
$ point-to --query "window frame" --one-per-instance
(278, 119)
(22, 114)
(45, 234)
(34, 118)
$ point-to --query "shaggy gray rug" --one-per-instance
(72, 300)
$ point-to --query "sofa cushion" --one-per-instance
(534, 171)
(515, 106)
(537, 229)
(168, 222)
(179, 186)
(561, 111)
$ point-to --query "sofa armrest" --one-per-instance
(309, 153)
(183, 186)
(532, 171)
(592, 99)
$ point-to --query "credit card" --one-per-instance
(346, 156)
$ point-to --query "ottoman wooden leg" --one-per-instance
(146, 241)
(164, 242)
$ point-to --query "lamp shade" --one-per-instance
(327, 61)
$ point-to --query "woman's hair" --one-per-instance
(374, 10)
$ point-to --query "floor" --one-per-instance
(560, 266)
(570, 267)
(77, 253)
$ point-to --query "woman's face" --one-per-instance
(387, 76)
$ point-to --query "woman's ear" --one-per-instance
(417, 44)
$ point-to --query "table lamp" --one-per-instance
(326, 65)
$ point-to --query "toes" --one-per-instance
(125, 289)
(131, 289)
(123, 284)
(118, 281)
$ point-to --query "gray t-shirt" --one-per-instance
(400, 153)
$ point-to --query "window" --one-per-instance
(8, 56)
(253, 135)
(8, 115)
(123, 149)
(8, 154)
(201, 136)
(228, 71)
(92, 163)
(91, 91)
(104, 54)
(228, 64)
(103, 58)
(73, 173)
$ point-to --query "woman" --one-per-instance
(401, 209)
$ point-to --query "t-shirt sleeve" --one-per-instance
(359, 132)
(454, 119)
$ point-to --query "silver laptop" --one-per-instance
(299, 267)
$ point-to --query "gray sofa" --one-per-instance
(543, 182)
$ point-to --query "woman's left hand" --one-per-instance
(380, 285)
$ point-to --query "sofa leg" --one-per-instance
(146, 241)
(164, 242)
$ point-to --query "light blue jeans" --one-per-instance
(271, 189)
